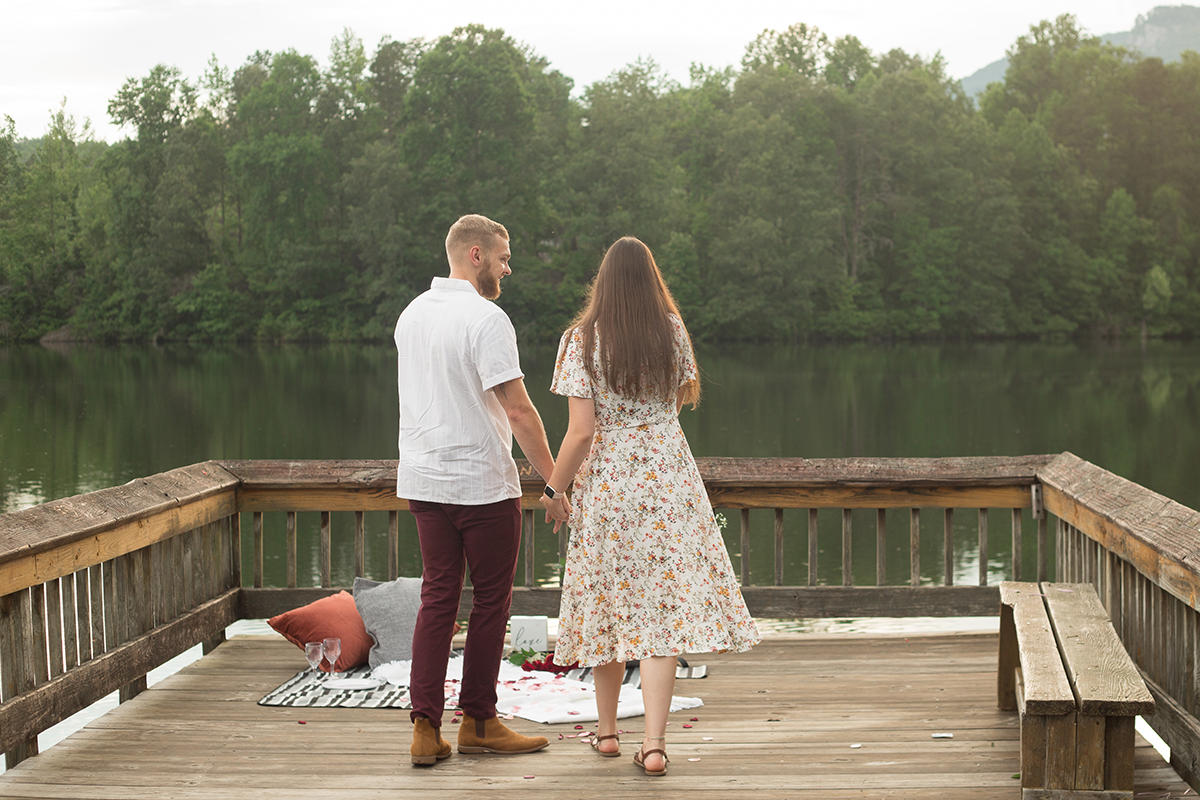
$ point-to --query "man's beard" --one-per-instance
(489, 284)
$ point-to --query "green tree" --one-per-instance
(40, 264)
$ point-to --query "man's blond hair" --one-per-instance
(471, 230)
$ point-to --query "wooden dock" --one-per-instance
(784, 722)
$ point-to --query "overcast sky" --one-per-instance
(84, 50)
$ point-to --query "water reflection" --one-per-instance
(77, 419)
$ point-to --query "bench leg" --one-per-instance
(1089, 752)
(1009, 660)
(1034, 731)
(1048, 751)
(1118, 753)
(1060, 751)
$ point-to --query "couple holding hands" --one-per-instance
(647, 575)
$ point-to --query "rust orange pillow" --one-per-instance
(335, 615)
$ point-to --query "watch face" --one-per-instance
(550, 492)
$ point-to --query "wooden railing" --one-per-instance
(883, 486)
(98, 589)
(1142, 553)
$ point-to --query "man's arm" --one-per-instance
(526, 424)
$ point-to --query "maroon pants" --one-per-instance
(486, 539)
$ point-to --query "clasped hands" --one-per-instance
(558, 510)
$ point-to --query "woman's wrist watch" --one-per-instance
(549, 492)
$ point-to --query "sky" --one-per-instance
(84, 50)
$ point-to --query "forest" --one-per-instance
(818, 190)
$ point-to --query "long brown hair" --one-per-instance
(630, 305)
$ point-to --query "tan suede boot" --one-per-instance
(491, 736)
(428, 746)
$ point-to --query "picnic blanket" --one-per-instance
(535, 696)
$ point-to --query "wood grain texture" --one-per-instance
(91, 528)
(1104, 679)
(979, 471)
(56, 524)
(778, 602)
(777, 722)
(1154, 533)
(1060, 751)
(1047, 690)
(36, 709)
(1089, 752)
(353, 485)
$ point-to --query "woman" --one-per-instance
(647, 575)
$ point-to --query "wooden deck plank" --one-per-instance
(782, 720)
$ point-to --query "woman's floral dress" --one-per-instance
(647, 572)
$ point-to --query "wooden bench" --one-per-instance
(1064, 669)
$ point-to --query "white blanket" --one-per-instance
(535, 696)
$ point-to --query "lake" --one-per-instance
(76, 419)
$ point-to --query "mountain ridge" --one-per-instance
(1164, 32)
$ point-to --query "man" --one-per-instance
(462, 400)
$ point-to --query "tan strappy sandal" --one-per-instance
(596, 740)
(639, 758)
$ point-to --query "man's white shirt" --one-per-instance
(453, 346)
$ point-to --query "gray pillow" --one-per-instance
(389, 612)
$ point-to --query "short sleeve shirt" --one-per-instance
(453, 346)
(615, 410)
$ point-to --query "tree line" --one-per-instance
(817, 190)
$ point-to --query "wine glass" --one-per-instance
(332, 648)
(314, 652)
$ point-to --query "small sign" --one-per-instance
(529, 633)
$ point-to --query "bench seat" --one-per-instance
(1063, 668)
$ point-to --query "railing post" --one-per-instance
(131, 596)
(847, 548)
(745, 546)
(948, 546)
(1016, 544)
(1060, 550)
(326, 550)
(292, 550)
(779, 547)
(258, 549)
(54, 627)
(235, 543)
(983, 547)
(914, 546)
(530, 553)
(393, 545)
(95, 610)
(812, 547)
(160, 587)
(881, 547)
(15, 628)
(360, 544)
(70, 606)
(1043, 552)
